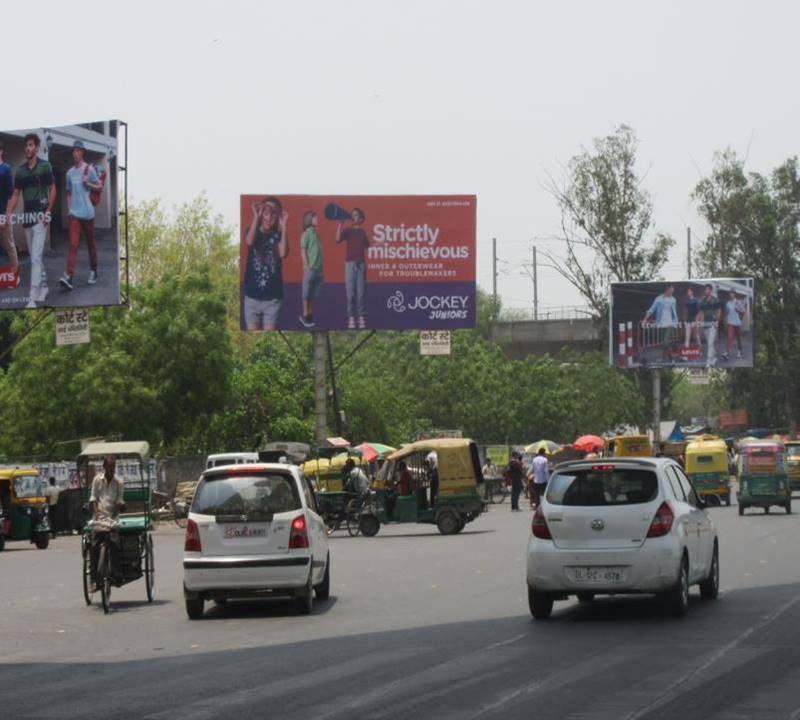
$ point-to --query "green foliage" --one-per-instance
(156, 372)
(754, 233)
(606, 215)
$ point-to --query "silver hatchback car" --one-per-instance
(618, 526)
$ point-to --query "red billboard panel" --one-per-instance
(336, 262)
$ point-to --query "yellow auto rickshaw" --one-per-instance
(629, 446)
(24, 512)
(708, 469)
(793, 462)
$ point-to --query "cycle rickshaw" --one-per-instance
(134, 525)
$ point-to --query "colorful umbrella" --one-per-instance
(549, 446)
(373, 451)
(589, 443)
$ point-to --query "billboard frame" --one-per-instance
(624, 338)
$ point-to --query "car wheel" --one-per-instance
(447, 522)
(304, 603)
(677, 599)
(323, 590)
(585, 597)
(540, 604)
(709, 588)
(194, 608)
(369, 525)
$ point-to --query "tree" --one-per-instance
(606, 216)
(753, 232)
(158, 372)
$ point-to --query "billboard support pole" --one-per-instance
(337, 414)
(656, 406)
(122, 168)
(320, 388)
(688, 252)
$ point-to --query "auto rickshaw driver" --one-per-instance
(106, 502)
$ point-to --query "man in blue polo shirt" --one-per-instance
(664, 312)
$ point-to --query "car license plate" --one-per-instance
(600, 575)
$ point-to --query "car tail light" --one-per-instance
(662, 522)
(539, 526)
(602, 468)
(192, 542)
(299, 536)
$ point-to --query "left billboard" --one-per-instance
(356, 262)
(58, 216)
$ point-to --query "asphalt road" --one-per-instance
(418, 625)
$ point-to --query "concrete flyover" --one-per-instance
(523, 338)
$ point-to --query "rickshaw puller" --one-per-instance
(106, 502)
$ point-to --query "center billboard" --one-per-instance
(357, 262)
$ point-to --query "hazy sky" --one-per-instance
(414, 97)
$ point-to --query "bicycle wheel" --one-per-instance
(87, 574)
(149, 568)
(104, 571)
(353, 523)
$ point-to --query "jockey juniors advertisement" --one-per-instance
(311, 262)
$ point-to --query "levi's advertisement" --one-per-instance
(59, 242)
(358, 262)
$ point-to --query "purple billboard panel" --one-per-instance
(357, 262)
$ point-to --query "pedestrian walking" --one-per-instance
(53, 492)
(541, 474)
(515, 474)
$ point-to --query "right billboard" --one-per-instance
(689, 323)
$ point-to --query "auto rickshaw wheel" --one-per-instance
(369, 525)
(741, 509)
(728, 499)
(789, 508)
(2, 542)
(447, 522)
(42, 540)
(766, 510)
(462, 523)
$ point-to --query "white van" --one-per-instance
(237, 458)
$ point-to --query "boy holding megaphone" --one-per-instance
(355, 270)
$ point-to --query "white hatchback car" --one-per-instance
(619, 526)
(254, 531)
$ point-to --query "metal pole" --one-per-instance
(688, 252)
(337, 414)
(656, 406)
(494, 273)
(535, 288)
(320, 388)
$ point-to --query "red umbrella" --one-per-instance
(589, 443)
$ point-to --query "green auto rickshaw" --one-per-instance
(24, 513)
(708, 469)
(793, 463)
(437, 481)
(763, 481)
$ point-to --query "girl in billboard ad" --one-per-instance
(263, 281)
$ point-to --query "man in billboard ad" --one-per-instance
(64, 190)
(692, 323)
(357, 262)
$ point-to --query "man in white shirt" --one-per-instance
(53, 494)
(106, 501)
(541, 474)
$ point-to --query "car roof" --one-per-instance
(640, 461)
(244, 468)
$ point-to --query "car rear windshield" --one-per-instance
(620, 486)
(249, 495)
